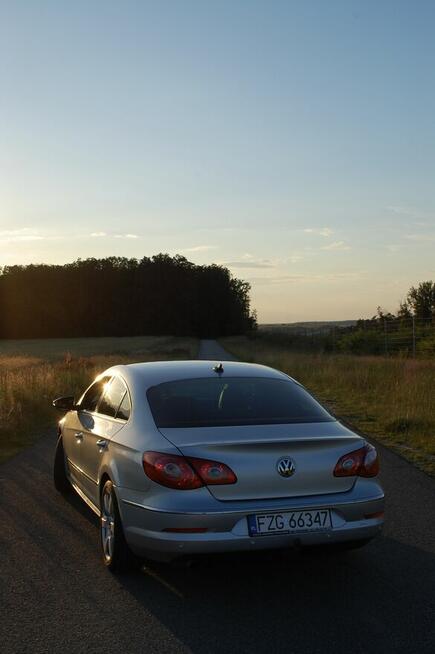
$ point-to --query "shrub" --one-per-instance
(362, 342)
(426, 346)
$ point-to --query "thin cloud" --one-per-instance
(336, 246)
(319, 231)
(401, 210)
(421, 237)
(418, 217)
(301, 278)
(250, 263)
(200, 248)
(295, 258)
(106, 235)
(21, 235)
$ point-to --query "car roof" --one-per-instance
(157, 372)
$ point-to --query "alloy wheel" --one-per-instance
(107, 524)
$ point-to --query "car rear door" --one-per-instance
(100, 427)
(75, 428)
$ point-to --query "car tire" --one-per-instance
(117, 556)
(60, 478)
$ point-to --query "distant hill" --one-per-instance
(310, 326)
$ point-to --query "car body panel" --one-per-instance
(147, 508)
(96, 429)
(227, 526)
(81, 430)
(72, 438)
(253, 452)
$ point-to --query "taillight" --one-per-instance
(213, 472)
(371, 462)
(363, 463)
(179, 472)
(171, 470)
(374, 516)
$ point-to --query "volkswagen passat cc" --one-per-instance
(179, 458)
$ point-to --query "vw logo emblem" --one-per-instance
(285, 467)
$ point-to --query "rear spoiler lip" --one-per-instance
(338, 439)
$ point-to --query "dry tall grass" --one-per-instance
(29, 383)
(390, 398)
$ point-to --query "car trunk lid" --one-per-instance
(253, 453)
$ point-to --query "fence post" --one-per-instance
(413, 336)
(385, 337)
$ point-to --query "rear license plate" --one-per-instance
(289, 522)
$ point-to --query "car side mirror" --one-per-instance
(64, 403)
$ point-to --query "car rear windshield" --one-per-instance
(233, 401)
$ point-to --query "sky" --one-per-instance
(293, 142)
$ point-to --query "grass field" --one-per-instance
(392, 399)
(33, 372)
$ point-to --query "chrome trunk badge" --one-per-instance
(285, 467)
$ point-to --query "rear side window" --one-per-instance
(92, 396)
(112, 398)
(124, 408)
(233, 401)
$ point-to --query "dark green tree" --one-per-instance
(117, 296)
(421, 300)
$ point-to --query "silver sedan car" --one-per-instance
(179, 458)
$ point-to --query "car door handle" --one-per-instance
(79, 436)
(101, 442)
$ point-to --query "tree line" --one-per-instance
(118, 296)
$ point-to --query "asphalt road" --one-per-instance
(212, 350)
(55, 595)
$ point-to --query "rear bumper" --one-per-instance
(227, 525)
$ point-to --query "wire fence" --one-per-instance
(406, 335)
(399, 336)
